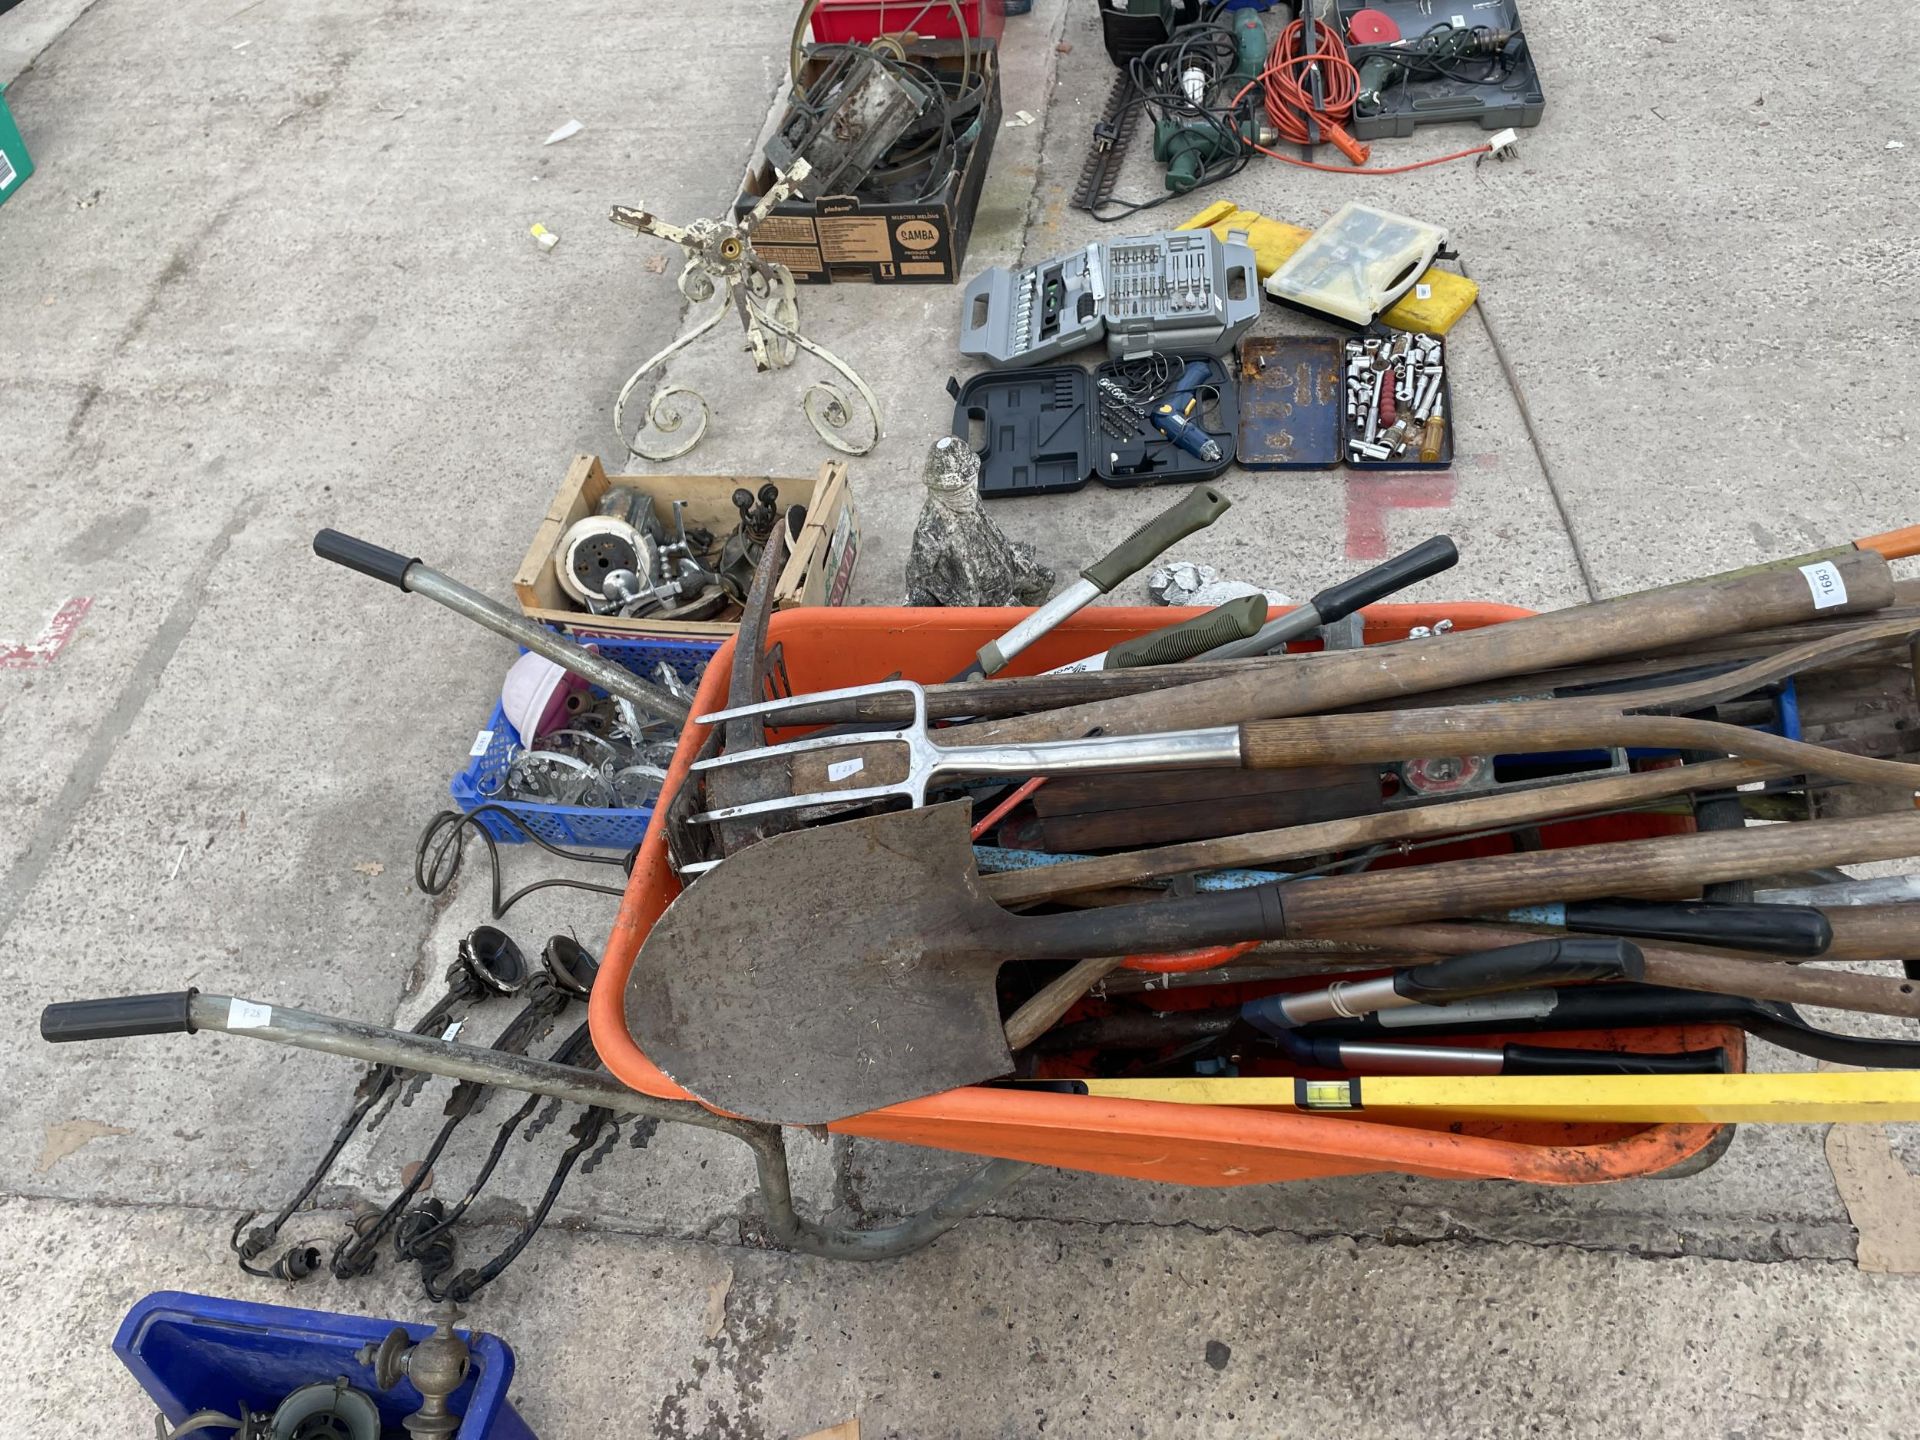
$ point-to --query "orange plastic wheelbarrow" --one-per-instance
(1145, 1140)
(1188, 1144)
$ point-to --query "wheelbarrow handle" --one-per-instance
(415, 578)
(364, 556)
(119, 1016)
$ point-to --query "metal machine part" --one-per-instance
(1395, 392)
(740, 553)
(721, 261)
(1179, 290)
(327, 1410)
(435, 1366)
(844, 122)
(597, 548)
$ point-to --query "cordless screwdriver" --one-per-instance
(1172, 416)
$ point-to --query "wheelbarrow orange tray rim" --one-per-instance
(1140, 1139)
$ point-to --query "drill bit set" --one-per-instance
(1396, 400)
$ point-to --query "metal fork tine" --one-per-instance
(773, 707)
(797, 802)
(795, 747)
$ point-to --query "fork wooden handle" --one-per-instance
(1532, 728)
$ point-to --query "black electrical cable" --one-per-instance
(935, 146)
(1436, 56)
(434, 873)
(1206, 45)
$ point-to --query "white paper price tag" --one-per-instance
(841, 769)
(1825, 583)
(247, 1015)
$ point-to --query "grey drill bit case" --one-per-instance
(1182, 290)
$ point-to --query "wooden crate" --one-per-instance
(819, 571)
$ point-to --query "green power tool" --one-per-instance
(1198, 137)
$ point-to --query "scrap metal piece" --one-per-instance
(844, 122)
(758, 783)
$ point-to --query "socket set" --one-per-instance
(1396, 403)
(1180, 290)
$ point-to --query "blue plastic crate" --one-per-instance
(200, 1352)
(580, 825)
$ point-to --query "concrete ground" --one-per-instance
(274, 274)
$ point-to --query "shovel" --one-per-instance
(826, 972)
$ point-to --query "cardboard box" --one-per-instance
(819, 569)
(15, 164)
(840, 238)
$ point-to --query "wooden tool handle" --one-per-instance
(1892, 544)
(1532, 728)
(1718, 605)
(1272, 847)
(1759, 979)
(1475, 887)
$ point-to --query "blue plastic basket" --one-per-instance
(579, 825)
(199, 1352)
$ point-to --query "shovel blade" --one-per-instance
(827, 972)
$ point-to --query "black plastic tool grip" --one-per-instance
(1234, 620)
(1429, 557)
(1565, 1060)
(170, 1014)
(364, 556)
(1798, 930)
(1200, 507)
(1520, 967)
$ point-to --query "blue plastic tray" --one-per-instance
(578, 825)
(199, 1352)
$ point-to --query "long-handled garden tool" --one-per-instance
(873, 980)
(879, 765)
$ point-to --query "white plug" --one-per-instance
(1504, 146)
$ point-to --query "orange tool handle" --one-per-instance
(1894, 544)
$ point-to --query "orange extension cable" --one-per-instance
(1285, 86)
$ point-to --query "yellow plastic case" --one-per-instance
(1450, 296)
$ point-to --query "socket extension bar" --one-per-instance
(1179, 290)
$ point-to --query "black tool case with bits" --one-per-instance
(1052, 428)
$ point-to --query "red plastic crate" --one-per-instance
(854, 22)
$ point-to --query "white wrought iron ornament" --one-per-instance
(721, 260)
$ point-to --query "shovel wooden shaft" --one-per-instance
(1631, 624)
(1586, 872)
(1460, 888)
(1271, 847)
